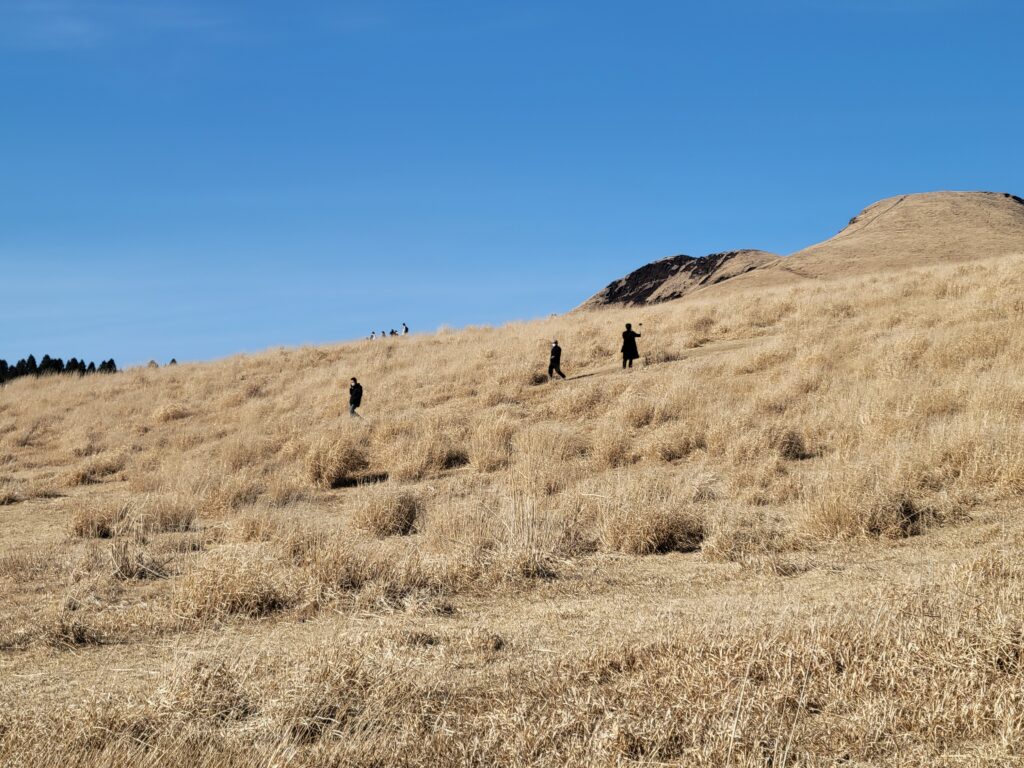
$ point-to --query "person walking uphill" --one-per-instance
(555, 364)
(629, 350)
(355, 398)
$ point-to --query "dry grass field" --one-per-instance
(790, 537)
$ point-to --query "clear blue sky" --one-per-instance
(192, 179)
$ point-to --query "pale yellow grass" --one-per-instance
(786, 538)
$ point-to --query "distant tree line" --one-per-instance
(52, 365)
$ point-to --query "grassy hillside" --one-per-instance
(678, 276)
(929, 229)
(789, 537)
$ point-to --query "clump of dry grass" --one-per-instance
(612, 447)
(96, 470)
(652, 531)
(744, 536)
(68, 628)
(426, 452)
(285, 490)
(642, 515)
(170, 412)
(329, 696)
(209, 689)
(490, 446)
(338, 460)
(387, 511)
(31, 432)
(862, 499)
(33, 563)
(518, 565)
(165, 513)
(131, 560)
(675, 442)
(260, 525)
(236, 581)
(486, 641)
(245, 452)
(339, 568)
(227, 493)
(8, 495)
(101, 519)
(105, 517)
(791, 445)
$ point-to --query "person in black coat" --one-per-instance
(629, 350)
(355, 397)
(555, 364)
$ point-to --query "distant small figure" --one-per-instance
(152, 364)
(383, 334)
(394, 332)
(373, 335)
(405, 329)
(629, 350)
(555, 364)
(173, 361)
(355, 398)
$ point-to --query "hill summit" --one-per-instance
(895, 233)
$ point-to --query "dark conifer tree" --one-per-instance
(52, 365)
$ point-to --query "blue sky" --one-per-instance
(194, 179)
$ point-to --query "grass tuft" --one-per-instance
(337, 461)
(386, 511)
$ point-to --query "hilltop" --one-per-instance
(895, 233)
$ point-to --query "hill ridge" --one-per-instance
(896, 232)
(675, 276)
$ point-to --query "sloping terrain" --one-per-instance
(677, 276)
(895, 233)
(918, 230)
(790, 537)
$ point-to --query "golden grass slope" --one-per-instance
(918, 230)
(790, 537)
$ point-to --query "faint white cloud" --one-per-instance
(70, 24)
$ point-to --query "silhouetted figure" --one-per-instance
(393, 332)
(373, 335)
(383, 334)
(405, 329)
(355, 397)
(555, 364)
(629, 350)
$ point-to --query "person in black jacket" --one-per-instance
(555, 364)
(355, 397)
(629, 350)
